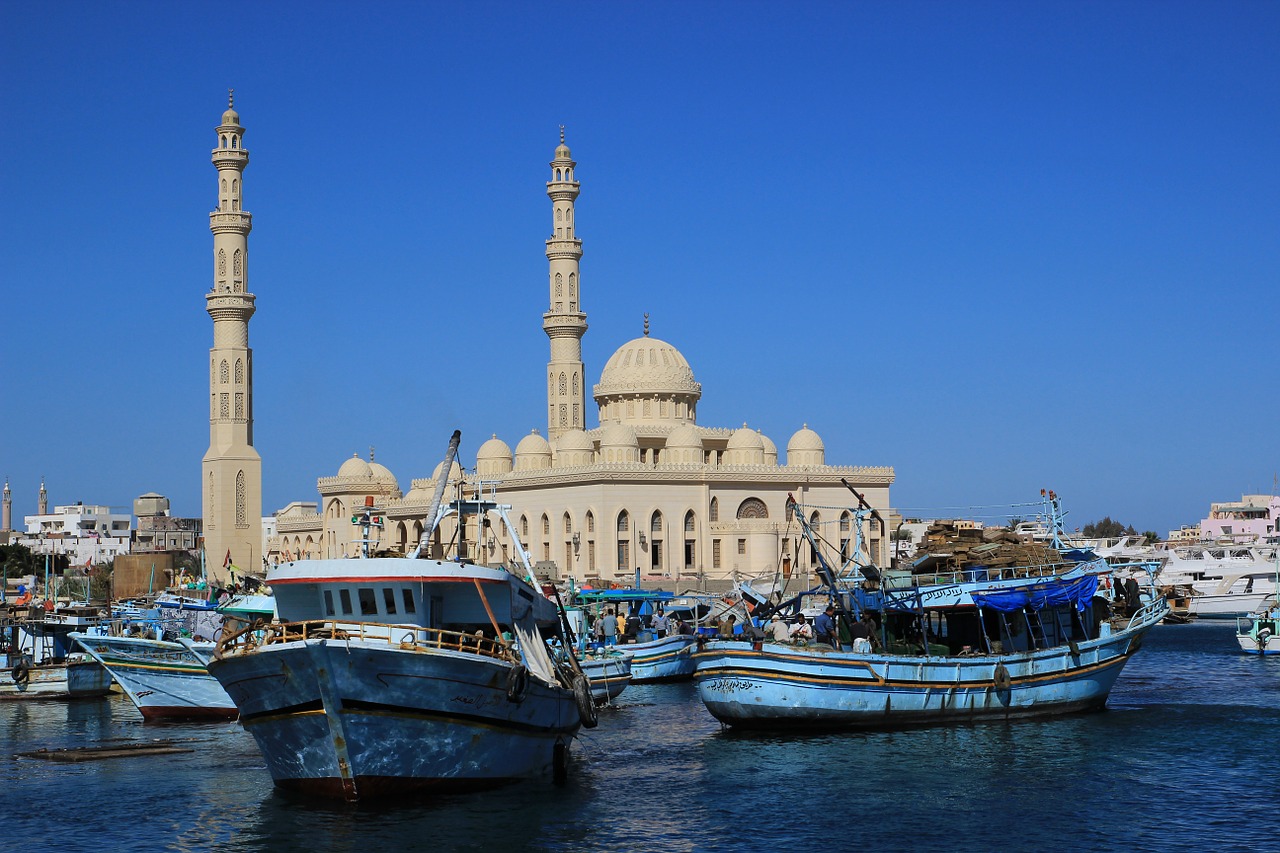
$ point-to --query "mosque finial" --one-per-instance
(231, 99)
(646, 324)
(371, 453)
(562, 134)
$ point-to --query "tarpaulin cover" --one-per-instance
(1037, 596)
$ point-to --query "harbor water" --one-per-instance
(1183, 759)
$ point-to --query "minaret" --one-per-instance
(42, 508)
(564, 323)
(232, 470)
(6, 509)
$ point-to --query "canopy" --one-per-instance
(1039, 595)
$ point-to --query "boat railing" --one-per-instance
(403, 636)
(1148, 612)
(905, 580)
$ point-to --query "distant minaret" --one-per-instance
(6, 509)
(232, 469)
(42, 508)
(564, 323)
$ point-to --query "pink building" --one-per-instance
(1248, 518)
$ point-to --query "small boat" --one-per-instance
(388, 676)
(168, 679)
(38, 660)
(1259, 633)
(609, 672)
(1032, 642)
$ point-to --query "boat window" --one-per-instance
(389, 600)
(408, 600)
(344, 596)
(368, 602)
(328, 602)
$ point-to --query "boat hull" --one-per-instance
(664, 659)
(1230, 606)
(80, 677)
(608, 676)
(779, 686)
(165, 681)
(355, 720)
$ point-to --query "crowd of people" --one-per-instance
(613, 627)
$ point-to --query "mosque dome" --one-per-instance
(684, 446)
(493, 459)
(647, 366)
(455, 471)
(562, 151)
(533, 452)
(356, 468)
(382, 474)
(770, 449)
(618, 443)
(573, 448)
(418, 495)
(744, 447)
(806, 448)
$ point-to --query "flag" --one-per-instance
(226, 564)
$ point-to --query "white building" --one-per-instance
(83, 533)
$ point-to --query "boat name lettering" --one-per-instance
(946, 592)
(729, 685)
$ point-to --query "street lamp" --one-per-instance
(577, 542)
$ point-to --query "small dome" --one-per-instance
(231, 117)
(455, 471)
(356, 467)
(562, 151)
(684, 437)
(806, 448)
(770, 449)
(574, 448)
(533, 452)
(380, 473)
(618, 435)
(494, 448)
(745, 439)
(417, 495)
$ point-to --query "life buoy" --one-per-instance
(21, 672)
(1001, 677)
(586, 705)
(517, 683)
(1263, 637)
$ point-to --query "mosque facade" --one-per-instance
(648, 491)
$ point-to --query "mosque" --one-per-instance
(648, 492)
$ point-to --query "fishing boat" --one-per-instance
(38, 660)
(387, 676)
(168, 679)
(1257, 632)
(609, 672)
(1224, 581)
(1023, 642)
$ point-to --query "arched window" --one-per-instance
(557, 174)
(559, 216)
(224, 372)
(655, 523)
(559, 284)
(564, 381)
(591, 522)
(575, 384)
(239, 371)
(624, 522)
(546, 525)
(844, 522)
(224, 142)
(222, 263)
(224, 186)
(573, 284)
(235, 186)
(235, 142)
(237, 264)
(568, 524)
(524, 527)
(689, 522)
(714, 515)
(753, 508)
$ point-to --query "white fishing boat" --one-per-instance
(38, 660)
(169, 679)
(1032, 642)
(387, 676)
(609, 672)
(1225, 581)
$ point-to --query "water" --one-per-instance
(1182, 759)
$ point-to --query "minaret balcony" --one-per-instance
(556, 325)
(222, 305)
(230, 221)
(230, 158)
(559, 247)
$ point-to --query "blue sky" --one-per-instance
(998, 246)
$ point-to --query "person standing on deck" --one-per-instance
(610, 627)
(824, 627)
(659, 623)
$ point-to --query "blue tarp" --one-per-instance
(1037, 596)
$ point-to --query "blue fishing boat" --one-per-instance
(388, 676)
(1032, 641)
(609, 672)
